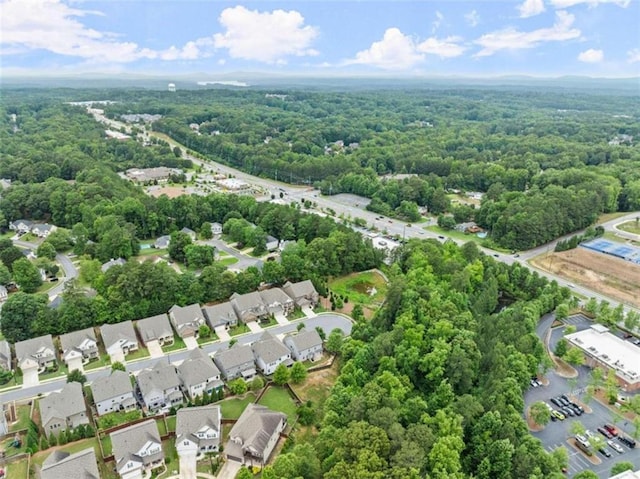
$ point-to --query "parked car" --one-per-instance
(615, 446)
(577, 407)
(568, 411)
(556, 401)
(588, 433)
(534, 383)
(565, 398)
(605, 433)
(612, 429)
(558, 415)
(604, 452)
(627, 441)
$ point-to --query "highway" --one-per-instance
(327, 321)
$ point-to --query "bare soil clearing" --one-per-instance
(606, 274)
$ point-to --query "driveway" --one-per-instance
(254, 327)
(155, 350)
(191, 343)
(281, 318)
(30, 378)
(188, 466)
(229, 470)
(308, 311)
(222, 333)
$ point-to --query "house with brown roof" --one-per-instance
(249, 307)
(303, 293)
(155, 328)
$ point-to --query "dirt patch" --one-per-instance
(170, 191)
(603, 273)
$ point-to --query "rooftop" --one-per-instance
(620, 355)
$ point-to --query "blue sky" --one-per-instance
(322, 37)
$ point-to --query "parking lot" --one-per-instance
(555, 434)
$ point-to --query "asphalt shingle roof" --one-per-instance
(80, 465)
(117, 384)
(154, 327)
(197, 368)
(112, 333)
(68, 402)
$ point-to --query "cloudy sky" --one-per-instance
(323, 37)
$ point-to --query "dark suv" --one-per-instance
(627, 441)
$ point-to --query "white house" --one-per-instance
(198, 430)
(113, 393)
(269, 353)
(159, 386)
(119, 340)
(137, 449)
(305, 346)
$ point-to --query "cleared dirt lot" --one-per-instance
(603, 273)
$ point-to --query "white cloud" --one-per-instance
(472, 18)
(267, 37)
(591, 56)
(591, 3)
(633, 56)
(54, 26)
(512, 39)
(531, 8)
(437, 22)
(447, 48)
(396, 51)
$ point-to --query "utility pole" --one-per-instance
(276, 174)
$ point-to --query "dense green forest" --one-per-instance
(433, 386)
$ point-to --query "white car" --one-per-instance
(615, 446)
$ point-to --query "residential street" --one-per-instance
(327, 321)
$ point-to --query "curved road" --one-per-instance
(327, 321)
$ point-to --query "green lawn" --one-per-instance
(170, 457)
(631, 227)
(162, 427)
(279, 399)
(101, 362)
(18, 470)
(139, 354)
(171, 423)
(62, 371)
(228, 261)
(270, 322)
(106, 445)
(10, 450)
(233, 407)
(112, 419)
(485, 242)
(297, 314)
(178, 344)
(16, 381)
(358, 287)
(241, 328)
(24, 411)
(209, 339)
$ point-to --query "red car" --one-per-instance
(612, 429)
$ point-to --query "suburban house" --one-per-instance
(137, 449)
(277, 301)
(63, 410)
(4, 294)
(255, 434)
(186, 319)
(113, 393)
(119, 340)
(81, 465)
(237, 361)
(249, 307)
(78, 348)
(269, 353)
(189, 232)
(198, 374)
(198, 430)
(159, 387)
(42, 230)
(36, 353)
(221, 314)
(5, 355)
(155, 328)
(216, 229)
(305, 346)
(303, 293)
(111, 263)
(162, 242)
(21, 226)
(272, 243)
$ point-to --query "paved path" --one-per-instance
(327, 321)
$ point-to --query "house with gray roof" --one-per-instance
(198, 374)
(137, 449)
(198, 430)
(272, 243)
(186, 319)
(155, 328)
(305, 346)
(277, 301)
(303, 293)
(79, 465)
(5, 355)
(79, 346)
(237, 361)
(269, 353)
(111, 263)
(162, 242)
(221, 314)
(113, 393)
(42, 230)
(36, 353)
(216, 229)
(63, 410)
(159, 387)
(254, 436)
(249, 307)
(189, 232)
(21, 226)
(119, 339)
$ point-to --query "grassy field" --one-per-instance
(279, 399)
(358, 287)
(18, 470)
(241, 328)
(171, 423)
(112, 419)
(102, 361)
(603, 218)
(62, 371)
(631, 227)
(139, 354)
(106, 445)
(24, 410)
(16, 381)
(487, 243)
(170, 458)
(233, 407)
(178, 344)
